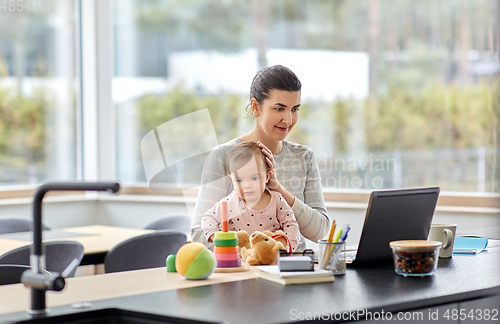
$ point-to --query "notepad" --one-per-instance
(272, 273)
(469, 245)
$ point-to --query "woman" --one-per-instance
(275, 104)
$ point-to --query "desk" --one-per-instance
(222, 296)
(95, 246)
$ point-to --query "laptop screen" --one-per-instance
(394, 215)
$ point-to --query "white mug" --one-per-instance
(444, 233)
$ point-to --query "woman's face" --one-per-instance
(278, 114)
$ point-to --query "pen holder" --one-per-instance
(332, 256)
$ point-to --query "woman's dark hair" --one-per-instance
(273, 77)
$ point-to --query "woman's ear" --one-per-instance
(254, 105)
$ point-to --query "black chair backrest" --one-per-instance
(179, 222)
(11, 273)
(144, 251)
(58, 255)
(14, 224)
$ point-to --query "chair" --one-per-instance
(13, 224)
(180, 222)
(11, 273)
(144, 251)
(58, 255)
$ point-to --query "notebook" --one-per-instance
(272, 273)
(469, 245)
(394, 215)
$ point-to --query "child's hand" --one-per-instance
(211, 238)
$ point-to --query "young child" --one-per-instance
(251, 206)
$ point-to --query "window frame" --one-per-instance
(448, 202)
(97, 113)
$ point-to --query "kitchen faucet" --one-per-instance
(36, 279)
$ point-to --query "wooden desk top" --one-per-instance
(16, 298)
(103, 239)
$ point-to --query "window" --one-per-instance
(395, 94)
(39, 91)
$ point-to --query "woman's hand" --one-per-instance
(273, 183)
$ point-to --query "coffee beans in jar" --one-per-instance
(415, 257)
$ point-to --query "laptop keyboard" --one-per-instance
(350, 256)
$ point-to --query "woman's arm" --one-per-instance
(215, 185)
(312, 223)
(311, 213)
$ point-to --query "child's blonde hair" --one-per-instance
(242, 153)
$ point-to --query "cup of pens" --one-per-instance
(332, 256)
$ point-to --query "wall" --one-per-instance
(57, 212)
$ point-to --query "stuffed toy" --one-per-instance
(260, 247)
(244, 238)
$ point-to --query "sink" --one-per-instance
(110, 315)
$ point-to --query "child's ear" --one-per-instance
(254, 105)
(269, 174)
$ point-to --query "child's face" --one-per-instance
(249, 182)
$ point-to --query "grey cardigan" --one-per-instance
(296, 170)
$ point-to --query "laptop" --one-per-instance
(394, 215)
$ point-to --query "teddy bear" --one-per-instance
(259, 248)
(244, 238)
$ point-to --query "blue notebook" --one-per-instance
(469, 245)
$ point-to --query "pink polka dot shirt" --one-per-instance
(278, 215)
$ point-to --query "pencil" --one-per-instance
(337, 237)
(328, 247)
(332, 230)
(465, 251)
